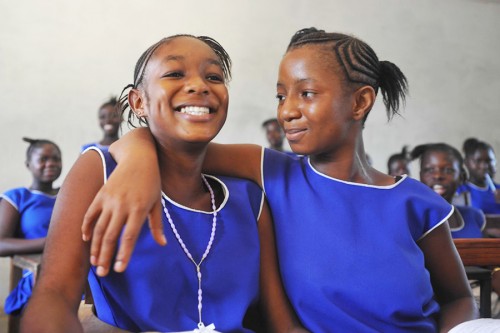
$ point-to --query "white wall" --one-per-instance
(59, 60)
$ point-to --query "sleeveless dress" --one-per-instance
(474, 223)
(35, 209)
(481, 197)
(348, 252)
(159, 289)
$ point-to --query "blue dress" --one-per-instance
(94, 144)
(474, 223)
(159, 289)
(348, 252)
(481, 197)
(35, 209)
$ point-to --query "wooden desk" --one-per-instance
(18, 263)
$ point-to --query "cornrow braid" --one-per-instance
(142, 62)
(37, 143)
(360, 65)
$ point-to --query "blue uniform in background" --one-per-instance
(474, 223)
(35, 209)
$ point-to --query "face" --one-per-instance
(109, 120)
(184, 95)
(399, 167)
(313, 109)
(45, 163)
(480, 163)
(274, 134)
(441, 172)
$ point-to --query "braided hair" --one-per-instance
(142, 62)
(37, 143)
(359, 65)
(403, 155)
(471, 145)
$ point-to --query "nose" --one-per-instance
(197, 85)
(289, 110)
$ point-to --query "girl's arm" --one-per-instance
(132, 193)
(448, 279)
(277, 309)
(58, 291)
(10, 245)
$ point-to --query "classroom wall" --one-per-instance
(59, 60)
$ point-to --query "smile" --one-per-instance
(439, 189)
(195, 110)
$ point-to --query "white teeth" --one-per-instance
(439, 189)
(108, 127)
(195, 110)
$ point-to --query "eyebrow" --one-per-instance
(279, 84)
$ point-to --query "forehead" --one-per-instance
(439, 155)
(45, 149)
(313, 60)
(180, 48)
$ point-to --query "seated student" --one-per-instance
(359, 251)
(397, 164)
(480, 191)
(275, 135)
(442, 169)
(25, 213)
(220, 231)
(109, 121)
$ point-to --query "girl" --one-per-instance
(210, 279)
(359, 251)
(480, 189)
(397, 164)
(25, 213)
(442, 169)
(109, 121)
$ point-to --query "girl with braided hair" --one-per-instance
(359, 251)
(25, 213)
(480, 190)
(221, 256)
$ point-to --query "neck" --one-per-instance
(349, 163)
(43, 187)
(107, 140)
(180, 171)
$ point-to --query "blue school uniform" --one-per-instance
(474, 223)
(35, 209)
(348, 253)
(481, 197)
(94, 144)
(159, 289)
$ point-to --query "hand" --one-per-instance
(120, 205)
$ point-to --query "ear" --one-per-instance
(364, 98)
(137, 102)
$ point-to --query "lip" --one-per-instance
(294, 134)
(439, 189)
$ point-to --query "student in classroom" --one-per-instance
(221, 247)
(398, 164)
(442, 169)
(480, 191)
(25, 214)
(110, 120)
(359, 251)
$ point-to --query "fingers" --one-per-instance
(156, 223)
(127, 242)
(90, 217)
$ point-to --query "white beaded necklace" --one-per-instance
(201, 326)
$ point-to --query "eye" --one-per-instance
(174, 74)
(215, 78)
(280, 97)
(307, 94)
